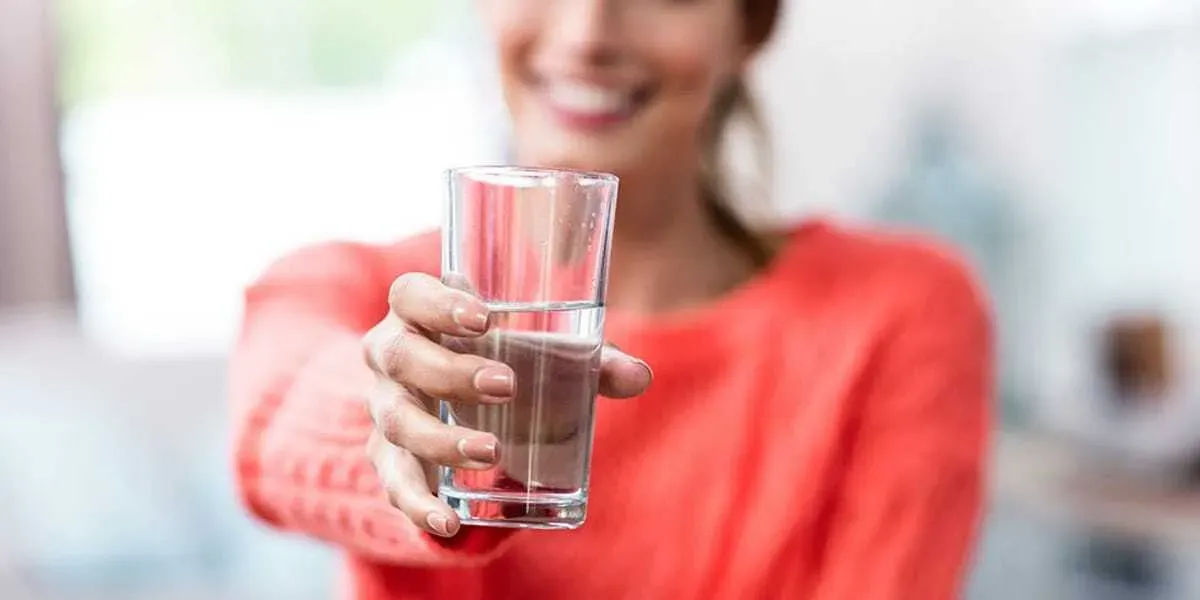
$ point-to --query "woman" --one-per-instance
(819, 412)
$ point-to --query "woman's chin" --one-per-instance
(616, 160)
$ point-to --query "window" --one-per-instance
(204, 138)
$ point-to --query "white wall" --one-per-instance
(1088, 111)
(844, 77)
(177, 203)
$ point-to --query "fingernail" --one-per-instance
(480, 449)
(439, 524)
(643, 364)
(468, 315)
(637, 361)
(494, 381)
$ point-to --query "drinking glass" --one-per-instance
(533, 245)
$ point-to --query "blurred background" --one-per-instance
(155, 156)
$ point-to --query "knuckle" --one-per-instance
(373, 447)
(403, 287)
(384, 461)
(375, 339)
(395, 496)
(377, 399)
(391, 425)
(394, 354)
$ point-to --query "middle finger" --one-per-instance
(411, 359)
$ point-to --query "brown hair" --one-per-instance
(761, 17)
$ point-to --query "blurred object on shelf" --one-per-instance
(1122, 540)
(1137, 361)
(1051, 478)
(1121, 568)
(1134, 411)
(1136, 441)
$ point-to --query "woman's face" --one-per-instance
(613, 85)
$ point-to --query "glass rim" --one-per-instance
(522, 176)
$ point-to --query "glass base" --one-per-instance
(517, 511)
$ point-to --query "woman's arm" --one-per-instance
(906, 521)
(298, 385)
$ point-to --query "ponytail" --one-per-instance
(760, 18)
(735, 101)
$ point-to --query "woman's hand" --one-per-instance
(413, 371)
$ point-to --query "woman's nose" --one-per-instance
(586, 29)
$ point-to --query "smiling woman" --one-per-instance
(814, 424)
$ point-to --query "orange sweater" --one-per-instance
(819, 433)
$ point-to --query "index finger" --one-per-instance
(425, 302)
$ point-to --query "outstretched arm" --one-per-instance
(298, 386)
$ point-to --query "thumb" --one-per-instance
(621, 375)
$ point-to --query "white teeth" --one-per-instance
(588, 98)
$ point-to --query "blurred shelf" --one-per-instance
(1052, 479)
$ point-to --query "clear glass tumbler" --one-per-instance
(534, 245)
